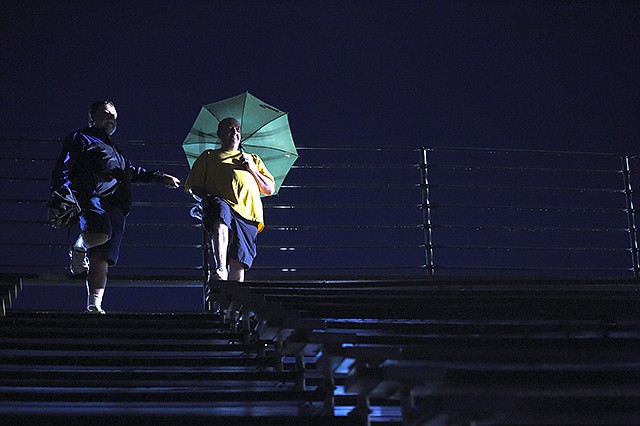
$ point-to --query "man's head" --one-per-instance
(229, 133)
(103, 115)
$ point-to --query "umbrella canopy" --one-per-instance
(265, 132)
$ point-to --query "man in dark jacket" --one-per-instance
(93, 169)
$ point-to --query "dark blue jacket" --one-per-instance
(91, 165)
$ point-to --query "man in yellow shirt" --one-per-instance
(228, 183)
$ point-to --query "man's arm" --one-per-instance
(266, 184)
(198, 193)
(140, 174)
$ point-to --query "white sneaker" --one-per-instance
(221, 274)
(93, 309)
(79, 261)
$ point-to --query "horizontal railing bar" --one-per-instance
(524, 188)
(148, 164)
(157, 142)
(186, 205)
(270, 227)
(52, 160)
(199, 246)
(342, 246)
(323, 247)
(534, 229)
(531, 169)
(391, 227)
(332, 267)
(529, 208)
(530, 248)
(357, 148)
(519, 151)
(526, 268)
(55, 245)
(23, 139)
(120, 267)
(45, 223)
(25, 178)
(356, 166)
(343, 268)
(337, 227)
(29, 159)
(170, 225)
(351, 186)
(338, 205)
(161, 268)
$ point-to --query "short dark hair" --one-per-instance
(99, 104)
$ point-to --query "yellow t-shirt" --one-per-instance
(220, 173)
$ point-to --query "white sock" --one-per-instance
(95, 299)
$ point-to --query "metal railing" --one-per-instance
(354, 212)
(524, 212)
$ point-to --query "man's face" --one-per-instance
(106, 118)
(229, 133)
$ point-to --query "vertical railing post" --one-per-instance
(633, 236)
(206, 269)
(426, 212)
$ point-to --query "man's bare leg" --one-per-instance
(236, 270)
(96, 281)
(220, 243)
(79, 250)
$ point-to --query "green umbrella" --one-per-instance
(265, 132)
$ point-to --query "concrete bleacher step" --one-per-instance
(525, 343)
(124, 295)
(395, 352)
(132, 367)
(539, 327)
(597, 300)
(492, 349)
(546, 398)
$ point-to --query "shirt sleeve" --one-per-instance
(197, 174)
(262, 168)
(142, 175)
(69, 154)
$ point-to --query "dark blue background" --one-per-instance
(523, 74)
(562, 75)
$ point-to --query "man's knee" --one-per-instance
(94, 240)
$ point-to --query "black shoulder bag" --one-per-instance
(63, 209)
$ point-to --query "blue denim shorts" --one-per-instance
(243, 234)
(102, 217)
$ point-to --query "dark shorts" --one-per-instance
(243, 234)
(102, 217)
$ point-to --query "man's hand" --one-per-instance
(248, 163)
(171, 181)
(266, 185)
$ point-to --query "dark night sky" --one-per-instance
(524, 74)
